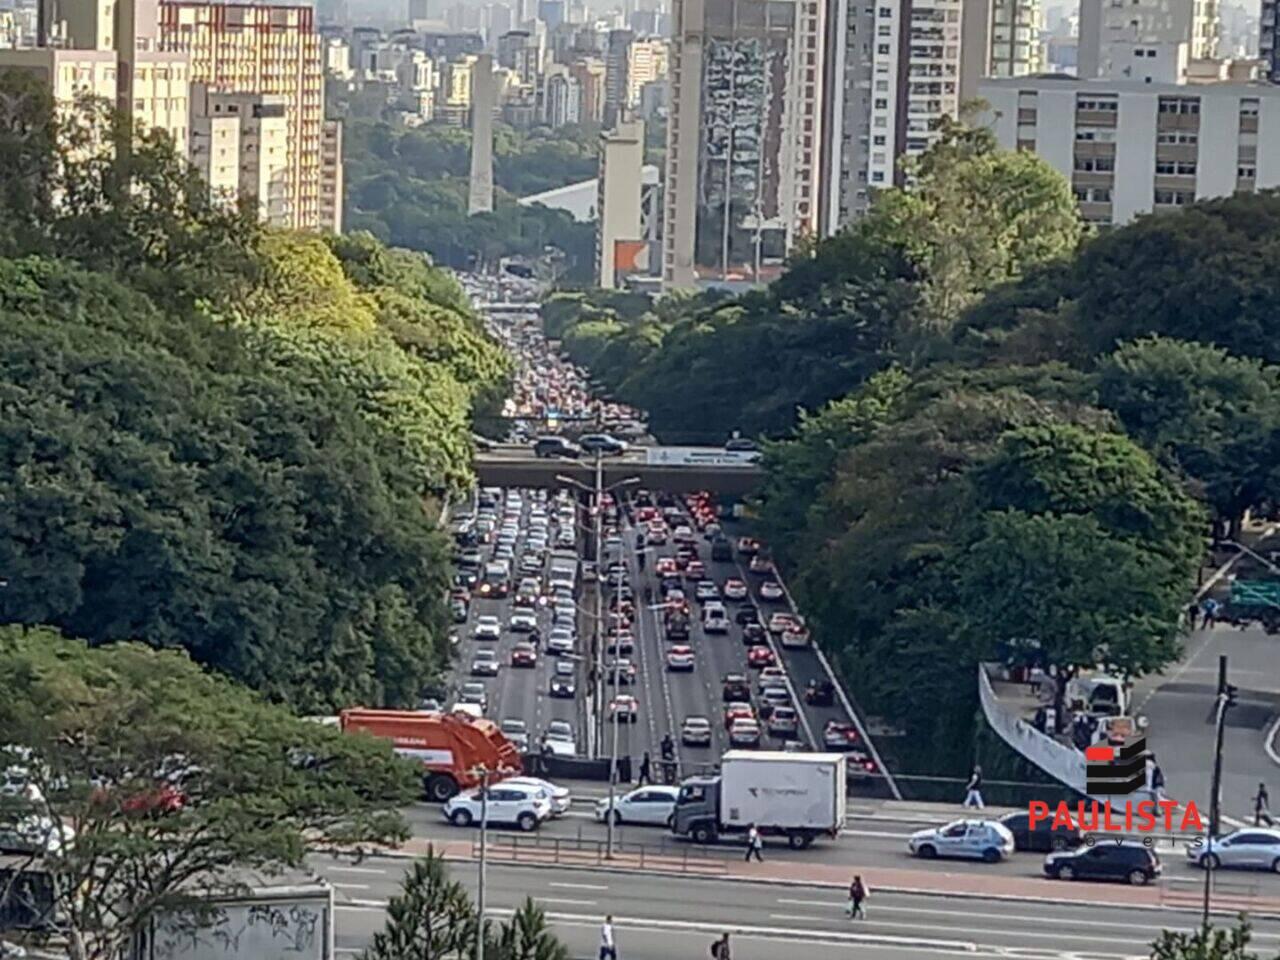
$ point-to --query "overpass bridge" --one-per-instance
(675, 469)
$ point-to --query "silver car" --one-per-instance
(1251, 848)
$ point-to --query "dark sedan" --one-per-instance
(1044, 838)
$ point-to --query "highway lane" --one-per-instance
(660, 917)
(516, 692)
(864, 844)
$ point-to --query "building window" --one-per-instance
(1247, 172)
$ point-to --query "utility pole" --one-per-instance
(597, 528)
(1225, 700)
(484, 836)
(613, 752)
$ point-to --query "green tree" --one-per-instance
(1208, 413)
(527, 937)
(1036, 577)
(1206, 943)
(1202, 275)
(165, 782)
(430, 919)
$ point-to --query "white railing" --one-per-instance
(1063, 763)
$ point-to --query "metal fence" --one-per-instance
(578, 851)
(1229, 895)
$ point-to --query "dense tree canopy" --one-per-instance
(160, 782)
(408, 187)
(228, 439)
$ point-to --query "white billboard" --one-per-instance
(699, 457)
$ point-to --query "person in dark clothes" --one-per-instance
(720, 949)
(1261, 808)
(645, 776)
(857, 894)
(754, 845)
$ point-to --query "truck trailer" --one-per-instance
(799, 796)
(451, 747)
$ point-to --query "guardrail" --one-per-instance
(582, 852)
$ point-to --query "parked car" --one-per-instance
(1044, 838)
(986, 840)
(1250, 848)
(1128, 860)
(651, 805)
(523, 805)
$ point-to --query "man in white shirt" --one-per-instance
(607, 949)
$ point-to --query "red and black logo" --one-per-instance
(1114, 769)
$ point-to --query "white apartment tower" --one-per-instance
(619, 205)
(1146, 40)
(744, 138)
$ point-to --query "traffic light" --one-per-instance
(1231, 691)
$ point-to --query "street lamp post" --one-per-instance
(597, 493)
(613, 751)
(484, 836)
(1226, 700)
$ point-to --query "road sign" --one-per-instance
(699, 457)
(1256, 593)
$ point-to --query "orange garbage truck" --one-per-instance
(452, 748)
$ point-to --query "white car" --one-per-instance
(652, 805)
(523, 621)
(986, 840)
(735, 589)
(771, 590)
(680, 658)
(714, 618)
(488, 627)
(523, 805)
(560, 641)
(559, 796)
(1250, 848)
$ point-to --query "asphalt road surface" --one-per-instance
(667, 918)
(665, 698)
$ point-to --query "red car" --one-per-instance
(665, 565)
(524, 655)
(760, 656)
(738, 711)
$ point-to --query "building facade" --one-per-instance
(562, 99)
(268, 50)
(744, 137)
(240, 146)
(1131, 148)
(618, 205)
(1146, 39)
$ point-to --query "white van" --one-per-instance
(714, 617)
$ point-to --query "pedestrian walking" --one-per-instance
(1157, 779)
(754, 845)
(1261, 808)
(1210, 608)
(608, 949)
(644, 770)
(973, 790)
(1193, 609)
(858, 892)
(720, 948)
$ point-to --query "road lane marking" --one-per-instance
(350, 886)
(572, 903)
(345, 869)
(578, 886)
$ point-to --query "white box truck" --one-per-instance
(799, 796)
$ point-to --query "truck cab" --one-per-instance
(697, 812)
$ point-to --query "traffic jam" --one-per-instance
(704, 666)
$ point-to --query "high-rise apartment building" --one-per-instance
(617, 67)
(744, 137)
(590, 74)
(1268, 50)
(646, 63)
(110, 49)
(332, 175)
(1146, 40)
(619, 185)
(240, 146)
(562, 97)
(271, 51)
(1132, 147)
